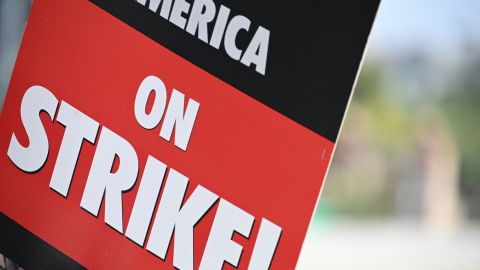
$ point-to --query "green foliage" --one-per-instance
(462, 106)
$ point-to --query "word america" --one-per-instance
(107, 186)
(203, 15)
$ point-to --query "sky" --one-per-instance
(437, 25)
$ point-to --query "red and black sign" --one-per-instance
(159, 134)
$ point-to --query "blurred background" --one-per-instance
(403, 191)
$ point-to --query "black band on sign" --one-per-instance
(29, 251)
(314, 51)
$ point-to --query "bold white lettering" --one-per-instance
(101, 180)
(180, 7)
(257, 50)
(154, 4)
(237, 23)
(175, 117)
(78, 127)
(203, 12)
(31, 158)
(265, 246)
(170, 216)
(145, 201)
(150, 84)
(219, 27)
(220, 247)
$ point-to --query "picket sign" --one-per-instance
(173, 134)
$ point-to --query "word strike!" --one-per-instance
(105, 186)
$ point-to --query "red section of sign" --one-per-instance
(240, 149)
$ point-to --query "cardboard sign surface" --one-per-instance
(127, 142)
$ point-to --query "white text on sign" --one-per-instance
(107, 187)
